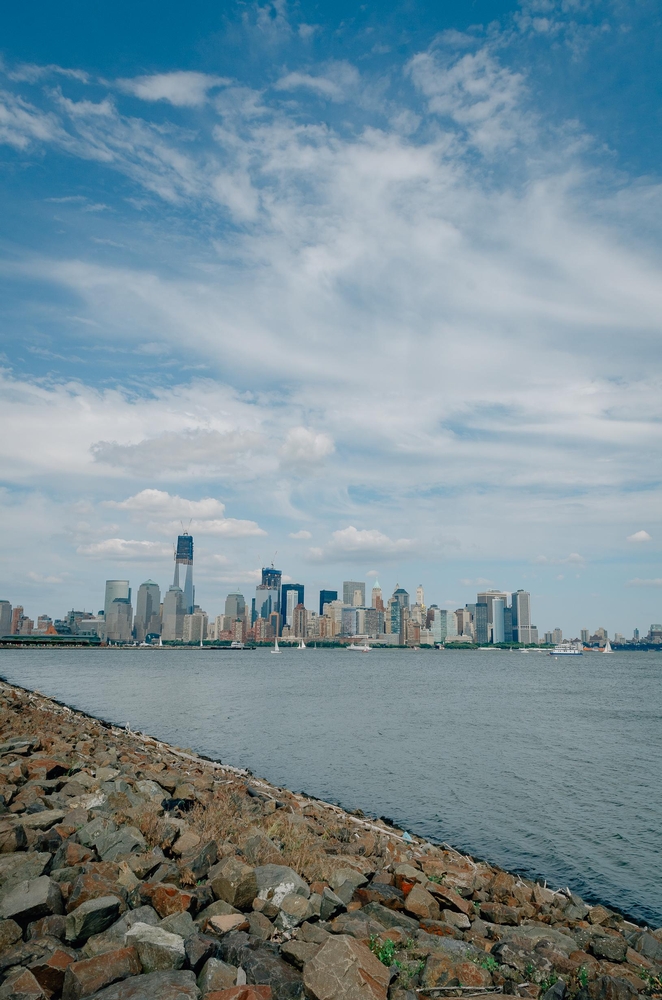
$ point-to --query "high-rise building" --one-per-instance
(271, 577)
(267, 594)
(420, 596)
(291, 594)
(585, 635)
(376, 597)
(507, 624)
(349, 621)
(488, 597)
(522, 616)
(119, 620)
(5, 618)
(481, 625)
(498, 619)
(115, 588)
(326, 596)
(173, 615)
(299, 620)
(350, 595)
(442, 623)
(235, 606)
(184, 557)
(147, 620)
(557, 636)
(194, 628)
(635, 635)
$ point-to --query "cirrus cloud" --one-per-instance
(182, 89)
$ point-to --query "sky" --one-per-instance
(371, 291)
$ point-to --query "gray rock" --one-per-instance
(15, 868)
(649, 946)
(20, 984)
(114, 845)
(199, 948)
(532, 934)
(158, 949)
(42, 820)
(331, 904)
(96, 828)
(163, 985)
(294, 910)
(274, 882)
(344, 969)
(92, 917)
(389, 918)
(234, 882)
(556, 992)
(342, 875)
(113, 938)
(150, 790)
(218, 909)
(179, 923)
(217, 975)
(32, 899)
(611, 948)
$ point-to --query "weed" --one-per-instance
(546, 984)
(385, 951)
(488, 962)
(436, 878)
(653, 983)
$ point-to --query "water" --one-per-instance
(548, 767)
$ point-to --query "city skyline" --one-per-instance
(374, 288)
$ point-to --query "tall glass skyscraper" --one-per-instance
(184, 557)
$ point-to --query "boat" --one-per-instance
(302, 644)
(607, 648)
(275, 649)
(565, 651)
(235, 644)
(365, 648)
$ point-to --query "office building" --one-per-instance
(353, 593)
(488, 597)
(349, 621)
(194, 627)
(376, 597)
(271, 577)
(147, 620)
(267, 594)
(184, 557)
(235, 606)
(507, 624)
(498, 619)
(119, 620)
(5, 618)
(326, 596)
(481, 625)
(521, 604)
(420, 596)
(172, 627)
(114, 589)
(291, 594)
(299, 620)
(557, 636)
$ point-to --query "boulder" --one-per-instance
(499, 913)
(216, 975)
(82, 979)
(166, 899)
(41, 820)
(260, 926)
(92, 917)
(344, 969)
(610, 947)
(234, 881)
(12, 838)
(225, 923)
(421, 904)
(199, 949)
(158, 949)
(241, 993)
(447, 897)
(274, 882)
(10, 933)
(379, 892)
(294, 909)
(297, 953)
(93, 885)
(531, 935)
(388, 917)
(21, 985)
(331, 904)
(15, 868)
(179, 923)
(459, 920)
(162, 985)
(32, 899)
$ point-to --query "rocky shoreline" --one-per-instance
(131, 870)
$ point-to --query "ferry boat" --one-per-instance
(365, 648)
(565, 651)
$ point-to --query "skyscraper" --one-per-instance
(5, 617)
(326, 596)
(267, 594)
(522, 616)
(481, 626)
(235, 606)
(488, 597)
(173, 615)
(115, 588)
(498, 620)
(184, 557)
(291, 594)
(148, 615)
(420, 596)
(349, 595)
(119, 620)
(377, 600)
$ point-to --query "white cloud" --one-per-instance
(182, 88)
(337, 81)
(574, 559)
(305, 447)
(657, 582)
(227, 527)
(353, 542)
(121, 549)
(479, 581)
(640, 536)
(300, 534)
(45, 578)
(158, 503)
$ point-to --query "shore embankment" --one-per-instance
(132, 870)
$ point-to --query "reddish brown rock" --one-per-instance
(499, 913)
(49, 971)
(45, 767)
(241, 993)
(85, 978)
(448, 898)
(419, 903)
(166, 899)
(21, 985)
(93, 885)
(344, 969)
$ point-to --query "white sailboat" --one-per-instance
(607, 648)
(275, 649)
(302, 644)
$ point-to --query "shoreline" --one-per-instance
(188, 841)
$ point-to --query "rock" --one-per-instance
(157, 948)
(186, 841)
(216, 975)
(450, 899)
(179, 923)
(166, 899)
(92, 917)
(225, 923)
(162, 985)
(150, 790)
(234, 882)
(459, 920)
(421, 904)
(275, 882)
(10, 932)
(344, 969)
(265, 968)
(294, 909)
(93, 885)
(499, 913)
(258, 848)
(389, 918)
(313, 933)
(531, 935)
(12, 838)
(556, 992)
(113, 845)
(241, 993)
(441, 928)
(82, 979)
(297, 953)
(199, 948)
(611, 988)
(612, 948)
(31, 900)
(21, 985)
(379, 892)
(15, 868)
(70, 853)
(649, 946)
(49, 971)
(200, 860)
(331, 904)
(42, 820)
(217, 909)
(599, 914)
(260, 926)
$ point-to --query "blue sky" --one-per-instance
(366, 289)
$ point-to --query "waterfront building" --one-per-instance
(184, 557)
(635, 635)
(267, 594)
(548, 639)
(349, 621)
(326, 596)
(377, 600)
(521, 603)
(489, 597)
(369, 622)
(194, 628)
(174, 610)
(655, 633)
(235, 606)
(420, 596)
(291, 595)
(481, 627)
(114, 589)
(507, 624)
(5, 618)
(557, 636)
(353, 593)
(299, 621)
(498, 619)
(119, 620)
(147, 620)
(585, 636)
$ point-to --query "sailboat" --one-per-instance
(275, 649)
(302, 644)
(607, 648)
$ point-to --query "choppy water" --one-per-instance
(547, 767)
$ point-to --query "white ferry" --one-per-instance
(565, 651)
(365, 648)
